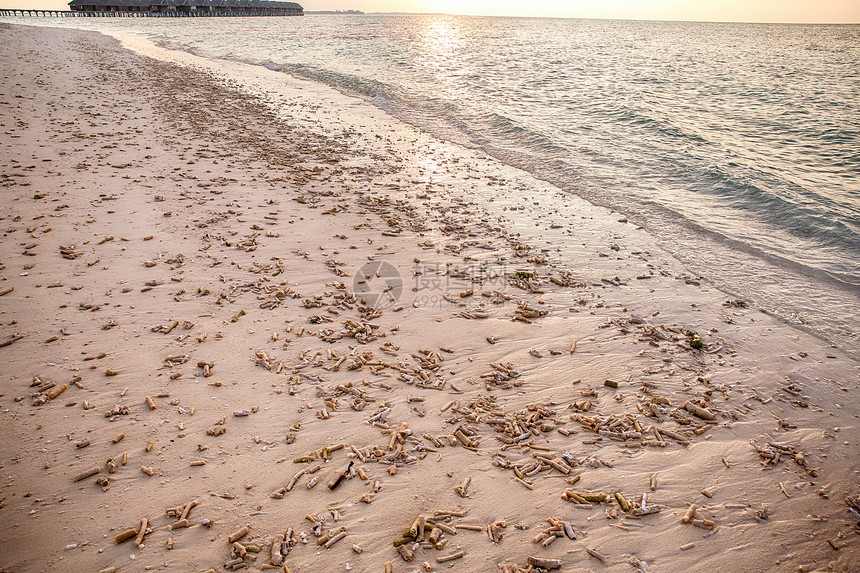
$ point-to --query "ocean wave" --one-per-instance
(349, 83)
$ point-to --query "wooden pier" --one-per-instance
(36, 13)
(162, 9)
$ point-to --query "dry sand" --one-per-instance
(194, 280)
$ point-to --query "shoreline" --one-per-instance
(794, 291)
(797, 292)
(708, 245)
(259, 228)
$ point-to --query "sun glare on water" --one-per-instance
(444, 41)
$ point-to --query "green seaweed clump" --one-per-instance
(696, 341)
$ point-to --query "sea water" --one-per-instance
(736, 145)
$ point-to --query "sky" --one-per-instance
(706, 10)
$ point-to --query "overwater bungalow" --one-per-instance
(187, 7)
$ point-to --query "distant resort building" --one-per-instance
(186, 8)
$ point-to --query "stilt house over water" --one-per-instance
(188, 7)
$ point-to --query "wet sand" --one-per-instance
(226, 303)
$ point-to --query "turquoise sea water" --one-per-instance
(737, 145)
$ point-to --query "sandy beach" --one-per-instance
(246, 330)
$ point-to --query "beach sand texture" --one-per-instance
(282, 343)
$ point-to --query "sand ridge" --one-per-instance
(337, 328)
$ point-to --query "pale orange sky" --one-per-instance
(708, 10)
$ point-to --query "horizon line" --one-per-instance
(617, 19)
